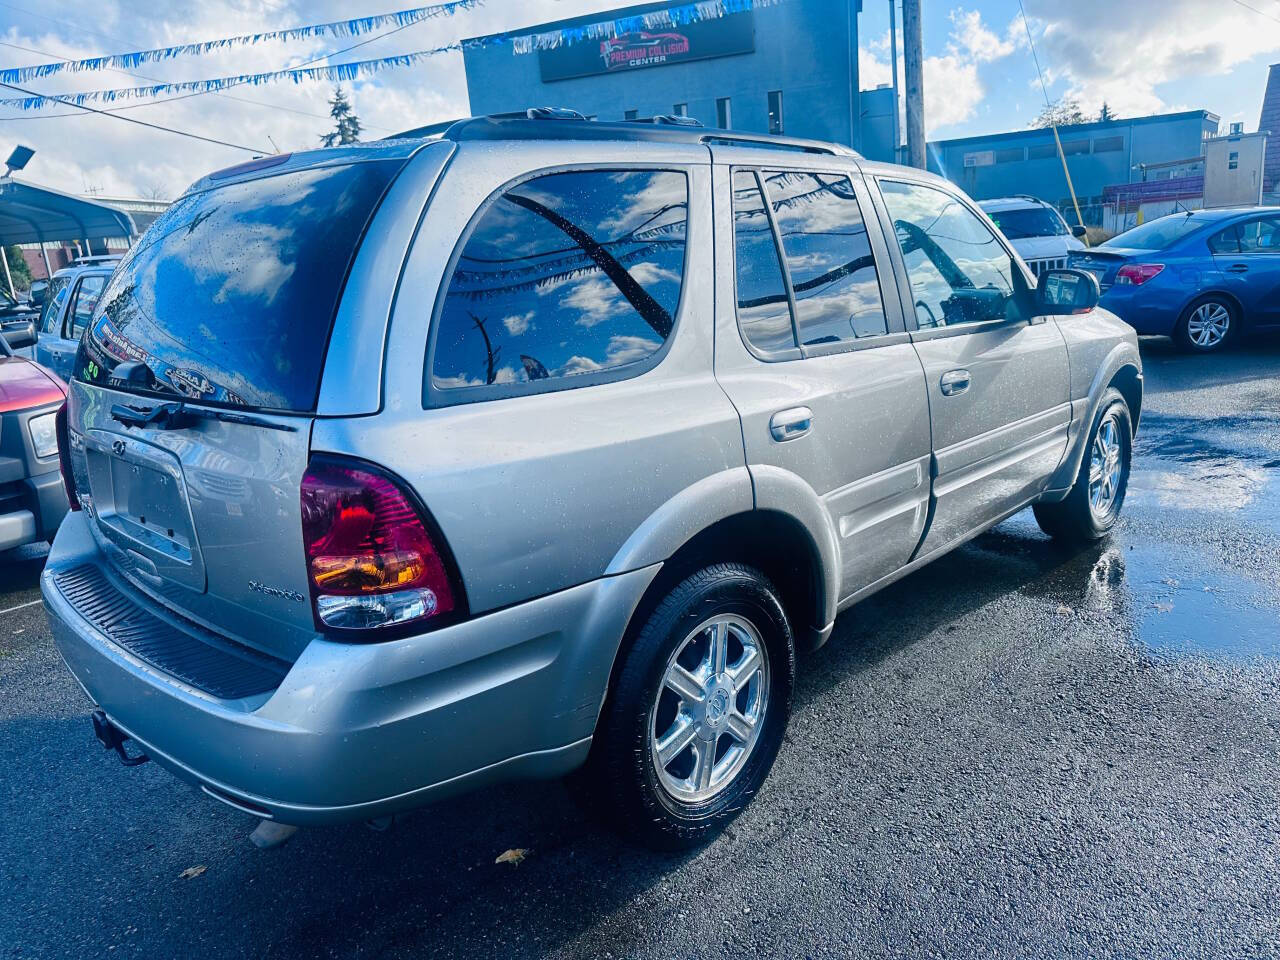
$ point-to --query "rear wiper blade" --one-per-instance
(178, 416)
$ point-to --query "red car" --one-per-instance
(33, 500)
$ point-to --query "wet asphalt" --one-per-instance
(1016, 752)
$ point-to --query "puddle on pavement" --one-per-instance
(1171, 599)
(1236, 472)
(1165, 573)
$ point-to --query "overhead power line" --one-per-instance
(141, 123)
(1261, 13)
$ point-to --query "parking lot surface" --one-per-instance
(1017, 751)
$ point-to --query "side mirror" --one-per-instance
(39, 288)
(1079, 231)
(19, 334)
(1067, 291)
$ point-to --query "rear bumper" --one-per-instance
(1147, 311)
(363, 730)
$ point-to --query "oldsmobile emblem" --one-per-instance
(279, 592)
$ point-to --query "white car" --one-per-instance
(1036, 230)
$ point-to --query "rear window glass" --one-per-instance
(229, 297)
(1157, 234)
(563, 277)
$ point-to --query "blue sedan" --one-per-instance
(1202, 277)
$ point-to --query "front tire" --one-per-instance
(1092, 507)
(1207, 325)
(699, 710)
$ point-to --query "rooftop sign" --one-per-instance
(728, 35)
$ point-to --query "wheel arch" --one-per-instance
(1121, 369)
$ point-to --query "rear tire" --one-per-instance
(1208, 325)
(701, 703)
(1092, 507)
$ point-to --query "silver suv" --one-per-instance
(406, 468)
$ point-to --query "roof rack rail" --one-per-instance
(559, 123)
(670, 119)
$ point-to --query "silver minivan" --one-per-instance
(406, 468)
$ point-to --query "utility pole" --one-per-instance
(913, 64)
(893, 65)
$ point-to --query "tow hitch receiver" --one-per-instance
(111, 738)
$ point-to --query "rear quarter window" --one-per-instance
(229, 297)
(564, 280)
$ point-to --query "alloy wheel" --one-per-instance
(710, 708)
(1105, 466)
(1208, 325)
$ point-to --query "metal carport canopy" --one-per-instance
(31, 214)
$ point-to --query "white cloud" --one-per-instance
(1123, 52)
(518, 323)
(82, 152)
(953, 86)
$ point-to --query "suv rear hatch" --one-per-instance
(196, 383)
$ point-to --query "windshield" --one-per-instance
(1029, 222)
(1157, 234)
(230, 295)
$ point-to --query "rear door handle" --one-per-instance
(790, 423)
(1238, 268)
(954, 382)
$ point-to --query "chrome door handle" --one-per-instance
(790, 423)
(954, 382)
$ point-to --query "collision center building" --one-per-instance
(790, 69)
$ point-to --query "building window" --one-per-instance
(1010, 155)
(1108, 144)
(1233, 160)
(724, 116)
(680, 109)
(1041, 151)
(1072, 147)
(631, 115)
(775, 111)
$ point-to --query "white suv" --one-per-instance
(1036, 230)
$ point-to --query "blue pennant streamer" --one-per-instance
(521, 43)
(336, 28)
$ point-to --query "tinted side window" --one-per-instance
(1260, 236)
(1228, 241)
(54, 298)
(764, 314)
(87, 295)
(959, 271)
(565, 275)
(828, 254)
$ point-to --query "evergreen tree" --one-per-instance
(18, 268)
(1106, 114)
(346, 123)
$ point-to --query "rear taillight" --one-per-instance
(64, 456)
(1138, 273)
(371, 561)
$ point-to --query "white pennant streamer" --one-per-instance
(522, 43)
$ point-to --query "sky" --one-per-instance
(1138, 56)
